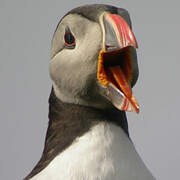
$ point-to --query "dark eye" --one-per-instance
(69, 40)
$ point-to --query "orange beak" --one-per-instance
(115, 65)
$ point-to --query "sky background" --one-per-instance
(26, 29)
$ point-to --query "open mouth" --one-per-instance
(115, 73)
(118, 61)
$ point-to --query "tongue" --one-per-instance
(121, 81)
(121, 90)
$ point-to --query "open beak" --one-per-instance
(115, 64)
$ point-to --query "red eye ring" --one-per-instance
(69, 40)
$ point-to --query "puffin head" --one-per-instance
(93, 58)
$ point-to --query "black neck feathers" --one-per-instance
(69, 121)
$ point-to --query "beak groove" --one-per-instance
(118, 32)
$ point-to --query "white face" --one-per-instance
(74, 71)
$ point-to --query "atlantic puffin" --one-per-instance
(93, 68)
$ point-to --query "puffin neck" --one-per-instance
(68, 122)
(74, 115)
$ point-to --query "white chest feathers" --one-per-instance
(104, 153)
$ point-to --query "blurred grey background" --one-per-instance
(26, 29)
